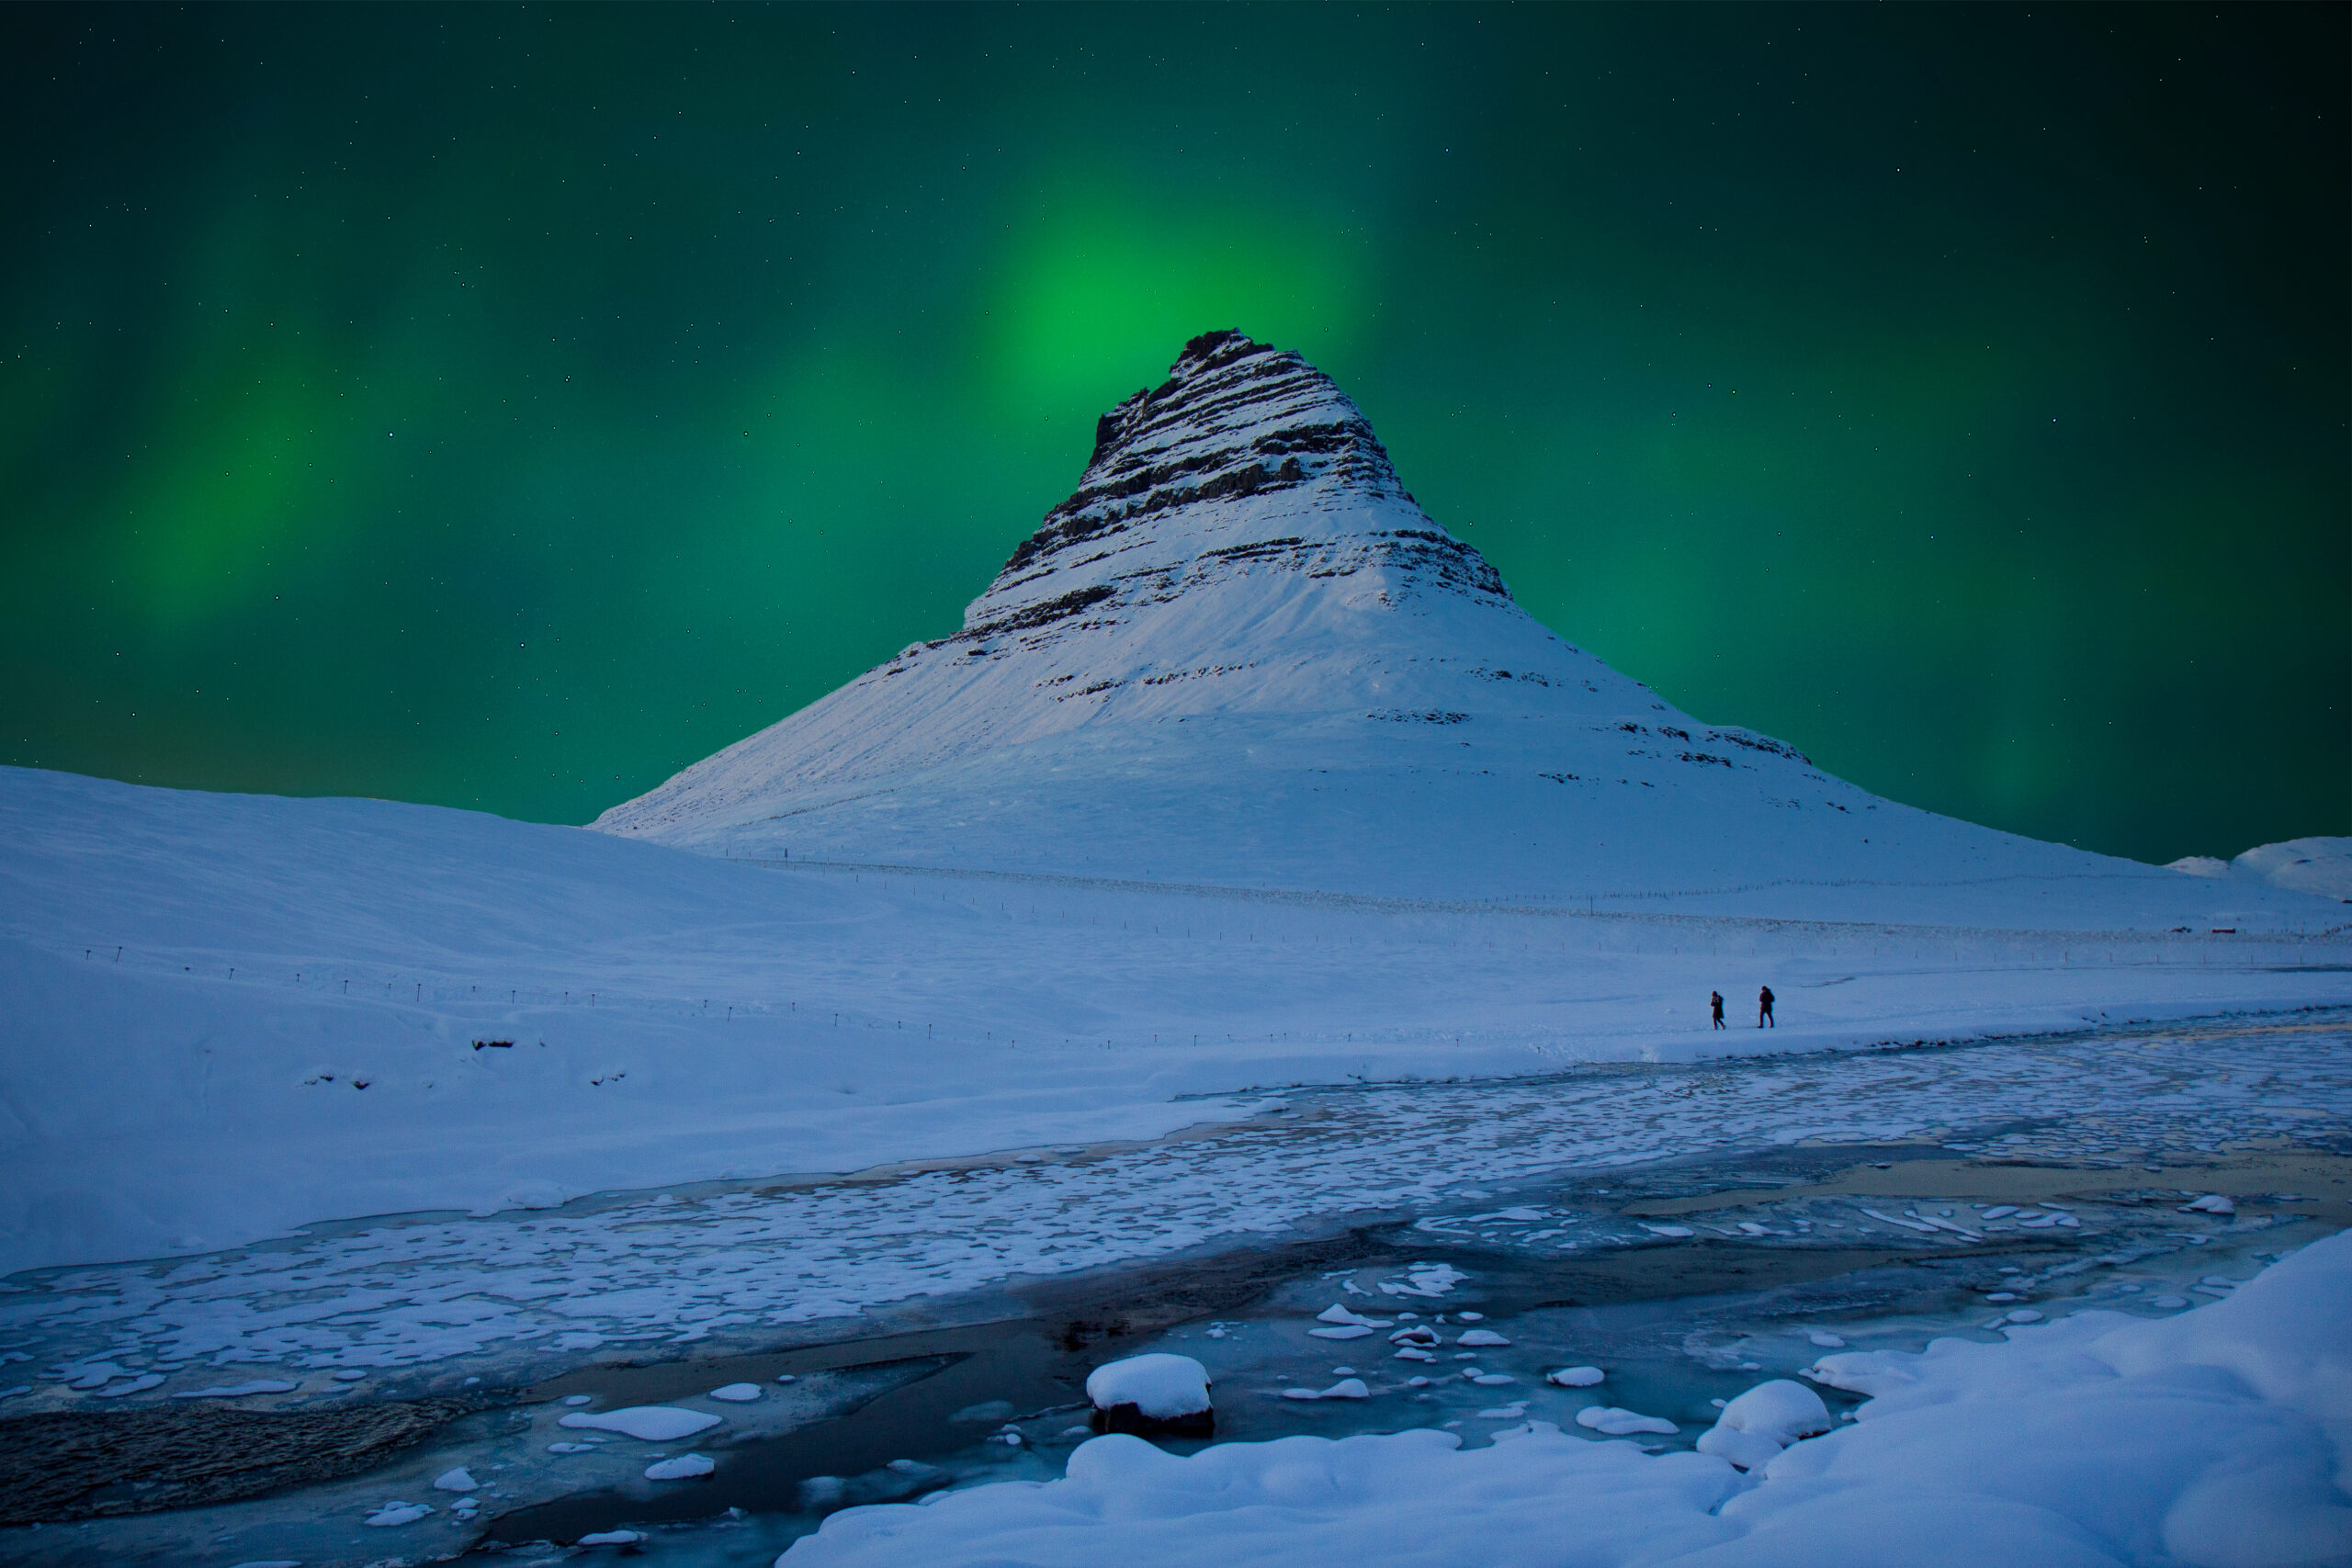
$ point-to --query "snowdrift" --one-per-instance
(2217, 1439)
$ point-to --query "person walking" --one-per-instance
(1716, 1003)
(1764, 1008)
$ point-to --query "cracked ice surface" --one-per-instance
(665, 1268)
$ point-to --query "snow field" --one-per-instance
(414, 1008)
(2215, 1439)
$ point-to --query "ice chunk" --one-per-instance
(1351, 1332)
(647, 1423)
(1337, 1313)
(1998, 1212)
(391, 1515)
(1425, 1280)
(1671, 1231)
(238, 1389)
(139, 1384)
(95, 1375)
(1482, 1337)
(458, 1480)
(1346, 1388)
(1161, 1387)
(1418, 1334)
(2212, 1203)
(1619, 1423)
(579, 1399)
(986, 1410)
(611, 1537)
(1492, 1379)
(1907, 1225)
(2025, 1314)
(1521, 1214)
(736, 1392)
(1575, 1377)
(685, 1467)
(1514, 1411)
(1469, 1316)
(1826, 1341)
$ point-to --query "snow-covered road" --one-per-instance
(405, 1303)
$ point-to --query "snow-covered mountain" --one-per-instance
(1241, 654)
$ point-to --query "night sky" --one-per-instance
(504, 408)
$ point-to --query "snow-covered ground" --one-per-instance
(199, 985)
(403, 1304)
(2217, 1438)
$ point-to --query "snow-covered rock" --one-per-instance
(736, 1392)
(1575, 1377)
(683, 1467)
(1755, 1427)
(458, 1480)
(1157, 1393)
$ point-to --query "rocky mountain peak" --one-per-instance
(1246, 453)
(1233, 419)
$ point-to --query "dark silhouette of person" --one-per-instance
(1764, 1008)
(1716, 1003)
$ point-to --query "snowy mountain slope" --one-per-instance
(1240, 654)
(196, 986)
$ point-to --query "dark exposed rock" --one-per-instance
(76, 1465)
(1128, 1418)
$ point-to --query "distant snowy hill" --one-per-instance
(2307, 865)
(1240, 654)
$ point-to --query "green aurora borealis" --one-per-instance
(505, 407)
